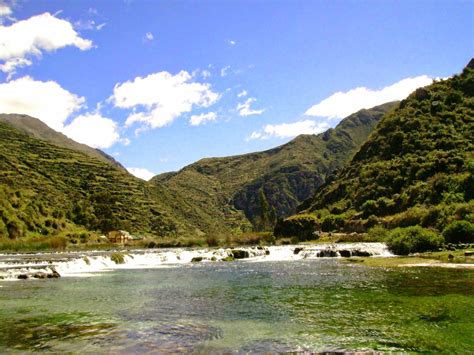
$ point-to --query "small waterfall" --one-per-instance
(68, 264)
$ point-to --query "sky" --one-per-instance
(161, 84)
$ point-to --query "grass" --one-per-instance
(422, 258)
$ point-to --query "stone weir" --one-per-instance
(54, 265)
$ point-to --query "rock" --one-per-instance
(450, 257)
(196, 259)
(228, 258)
(360, 253)
(240, 254)
(297, 250)
(267, 252)
(469, 253)
(54, 274)
(345, 253)
(22, 277)
(40, 275)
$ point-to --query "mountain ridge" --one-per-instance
(288, 174)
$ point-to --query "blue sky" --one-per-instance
(161, 84)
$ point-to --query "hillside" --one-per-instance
(415, 169)
(48, 189)
(229, 188)
(37, 129)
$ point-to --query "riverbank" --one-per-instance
(446, 259)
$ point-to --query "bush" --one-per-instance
(459, 232)
(301, 226)
(376, 234)
(332, 223)
(403, 241)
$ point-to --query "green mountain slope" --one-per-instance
(228, 189)
(416, 168)
(37, 129)
(48, 189)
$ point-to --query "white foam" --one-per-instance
(85, 264)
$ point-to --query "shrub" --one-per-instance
(459, 232)
(301, 226)
(332, 223)
(403, 241)
(376, 234)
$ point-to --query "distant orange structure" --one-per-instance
(119, 236)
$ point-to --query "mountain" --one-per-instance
(50, 185)
(228, 189)
(37, 129)
(416, 168)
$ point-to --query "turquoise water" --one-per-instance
(313, 305)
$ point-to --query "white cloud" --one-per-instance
(149, 36)
(287, 130)
(242, 93)
(141, 173)
(225, 70)
(100, 26)
(47, 101)
(206, 74)
(94, 130)
(197, 120)
(53, 105)
(342, 104)
(158, 99)
(245, 110)
(5, 10)
(232, 43)
(30, 38)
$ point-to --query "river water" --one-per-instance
(274, 300)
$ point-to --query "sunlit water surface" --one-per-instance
(299, 305)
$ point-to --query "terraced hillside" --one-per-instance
(37, 129)
(231, 188)
(47, 189)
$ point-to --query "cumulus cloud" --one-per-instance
(288, 130)
(29, 38)
(245, 109)
(197, 120)
(158, 99)
(342, 104)
(141, 173)
(94, 130)
(53, 105)
(47, 101)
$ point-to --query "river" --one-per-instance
(274, 300)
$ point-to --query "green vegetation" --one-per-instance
(49, 191)
(303, 227)
(431, 258)
(403, 241)
(416, 169)
(118, 258)
(459, 232)
(249, 192)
